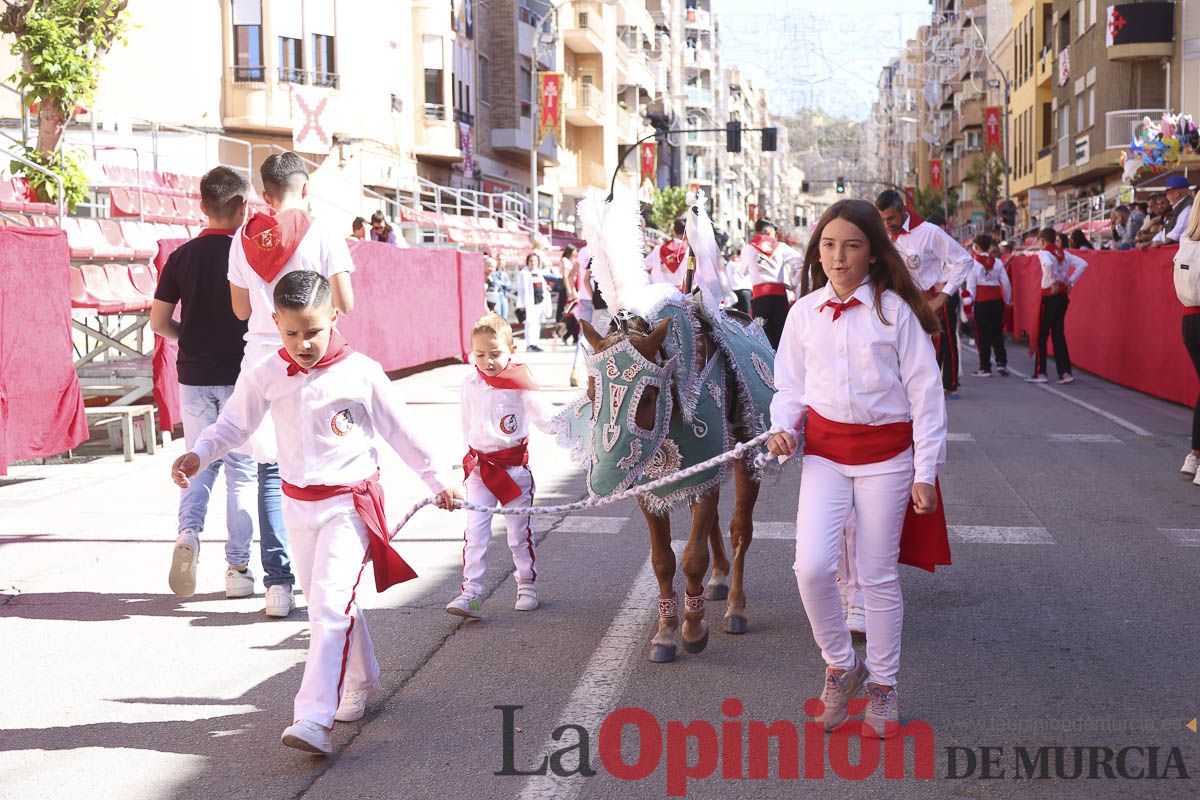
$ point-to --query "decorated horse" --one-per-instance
(673, 382)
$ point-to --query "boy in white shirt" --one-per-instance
(498, 406)
(333, 407)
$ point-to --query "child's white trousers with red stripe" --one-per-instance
(479, 531)
(329, 552)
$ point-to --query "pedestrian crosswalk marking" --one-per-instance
(960, 437)
(999, 534)
(1088, 438)
(1184, 537)
(578, 523)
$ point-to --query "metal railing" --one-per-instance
(1122, 126)
(590, 97)
(435, 111)
(248, 73)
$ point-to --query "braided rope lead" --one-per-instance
(738, 451)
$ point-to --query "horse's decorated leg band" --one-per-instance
(668, 607)
(693, 605)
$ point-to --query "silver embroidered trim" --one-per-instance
(764, 372)
(665, 460)
(635, 454)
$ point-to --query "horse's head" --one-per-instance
(630, 392)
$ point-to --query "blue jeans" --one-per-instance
(249, 486)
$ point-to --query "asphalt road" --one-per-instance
(1068, 620)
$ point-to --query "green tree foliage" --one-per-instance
(930, 201)
(987, 173)
(667, 206)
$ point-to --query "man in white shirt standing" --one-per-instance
(1180, 195)
(938, 265)
(772, 267)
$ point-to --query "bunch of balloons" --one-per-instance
(1157, 147)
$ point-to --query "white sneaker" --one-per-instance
(982, 373)
(308, 736)
(1190, 465)
(465, 605)
(1037, 379)
(1068, 378)
(183, 563)
(354, 704)
(856, 619)
(1196, 480)
(279, 600)
(238, 582)
(527, 599)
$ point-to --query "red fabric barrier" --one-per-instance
(166, 377)
(41, 404)
(413, 305)
(1124, 321)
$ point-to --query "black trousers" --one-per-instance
(743, 300)
(1191, 340)
(947, 349)
(1053, 327)
(772, 309)
(989, 333)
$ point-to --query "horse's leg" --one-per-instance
(662, 646)
(741, 531)
(694, 632)
(718, 582)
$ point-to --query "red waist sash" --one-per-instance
(924, 538)
(1058, 287)
(1190, 310)
(389, 567)
(769, 289)
(984, 294)
(493, 468)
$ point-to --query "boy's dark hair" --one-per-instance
(983, 242)
(358, 224)
(568, 250)
(223, 191)
(936, 218)
(762, 225)
(1048, 235)
(301, 289)
(890, 198)
(680, 227)
(283, 173)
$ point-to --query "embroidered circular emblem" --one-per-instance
(665, 460)
(342, 422)
(508, 424)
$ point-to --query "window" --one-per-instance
(1091, 12)
(433, 60)
(291, 60)
(247, 40)
(324, 69)
(483, 81)
(525, 87)
(1064, 31)
(1079, 113)
(972, 140)
(1091, 102)
(1081, 15)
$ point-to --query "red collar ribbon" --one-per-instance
(270, 240)
(514, 376)
(673, 253)
(987, 259)
(493, 469)
(765, 244)
(339, 348)
(389, 567)
(838, 308)
(1056, 251)
(913, 220)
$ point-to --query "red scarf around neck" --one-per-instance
(1056, 251)
(514, 376)
(673, 253)
(987, 259)
(269, 240)
(338, 350)
(765, 244)
(914, 219)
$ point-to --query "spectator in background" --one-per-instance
(1007, 251)
(1179, 195)
(1079, 241)
(1064, 241)
(939, 219)
(1124, 232)
(566, 288)
(1159, 206)
(381, 231)
(532, 299)
(358, 230)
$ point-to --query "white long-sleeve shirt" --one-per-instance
(328, 423)
(933, 257)
(497, 419)
(779, 267)
(1066, 271)
(659, 270)
(996, 276)
(739, 275)
(860, 370)
(526, 279)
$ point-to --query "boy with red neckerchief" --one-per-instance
(1060, 272)
(771, 265)
(664, 262)
(991, 292)
(498, 406)
(335, 406)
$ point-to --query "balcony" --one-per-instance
(436, 137)
(698, 19)
(1120, 127)
(633, 69)
(698, 58)
(258, 98)
(1045, 67)
(702, 98)
(587, 174)
(589, 108)
(1146, 30)
(548, 58)
(584, 29)
(1044, 169)
(516, 141)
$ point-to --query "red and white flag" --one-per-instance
(991, 126)
(311, 120)
(935, 173)
(649, 161)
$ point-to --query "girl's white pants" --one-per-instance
(329, 553)
(827, 495)
(479, 531)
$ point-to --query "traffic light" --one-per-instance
(841, 185)
(804, 187)
(769, 139)
(733, 137)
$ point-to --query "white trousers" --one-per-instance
(329, 552)
(847, 574)
(479, 531)
(879, 501)
(533, 324)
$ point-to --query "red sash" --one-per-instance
(1190, 310)
(269, 240)
(390, 568)
(985, 293)
(768, 289)
(924, 538)
(493, 468)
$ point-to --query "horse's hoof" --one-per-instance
(662, 653)
(698, 645)
(735, 623)
(716, 591)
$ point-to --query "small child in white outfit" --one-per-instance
(498, 406)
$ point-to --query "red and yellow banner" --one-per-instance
(550, 110)
(991, 127)
(935, 173)
(649, 159)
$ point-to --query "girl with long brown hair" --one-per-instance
(863, 386)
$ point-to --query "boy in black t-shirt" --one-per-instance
(211, 342)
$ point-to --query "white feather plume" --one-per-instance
(702, 241)
(613, 231)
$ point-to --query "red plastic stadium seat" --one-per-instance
(144, 279)
(138, 236)
(121, 282)
(95, 282)
(11, 218)
(154, 208)
(124, 202)
(114, 239)
(82, 298)
(77, 239)
(11, 198)
(43, 221)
